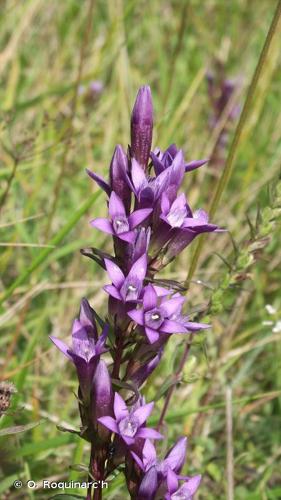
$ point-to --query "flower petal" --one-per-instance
(137, 460)
(110, 423)
(120, 407)
(129, 236)
(137, 316)
(149, 298)
(172, 481)
(170, 326)
(139, 268)
(138, 216)
(100, 181)
(143, 412)
(115, 273)
(176, 455)
(194, 327)
(192, 165)
(62, 347)
(151, 334)
(147, 433)
(116, 206)
(111, 290)
(103, 225)
(138, 176)
(172, 306)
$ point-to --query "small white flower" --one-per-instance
(270, 309)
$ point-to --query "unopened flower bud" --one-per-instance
(142, 126)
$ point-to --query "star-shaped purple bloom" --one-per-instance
(86, 347)
(126, 289)
(179, 215)
(163, 318)
(157, 470)
(120, 224)
(129, 425)
(183, 492)
(148, 190)
(162, 160)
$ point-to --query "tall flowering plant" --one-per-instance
(150, 223)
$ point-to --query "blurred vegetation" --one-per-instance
(53, 124)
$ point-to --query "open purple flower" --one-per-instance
(148, 190)
(173, 460)
(126, 289)
(179, 215)
(86, 347)
(183, 492)
(184, 236)
(159, 470)
(119, 224)
(163, 318)
(129, 425)
(162, 160)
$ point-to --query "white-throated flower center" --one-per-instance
(181, 495)
(128, 426)
(153, 319)
(121, 224)
(176, 217)
(155, 316)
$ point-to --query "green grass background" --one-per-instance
(49, 134)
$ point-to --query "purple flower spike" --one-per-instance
(185, 491)
(129, 424)
(119, 224)
(126, 289)
(163, 318)
(86, 347)
(142, 126)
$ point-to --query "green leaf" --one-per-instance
(16, 429)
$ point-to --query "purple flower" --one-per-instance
(161, 160)
(118, 172)
(179, 215)
(142, 126)
(119, 224)
(184, 236)
(164, 318)
(86, 347)
(183, 492)
(126, 289)
(160, 472)
(129, 424)
(148, 190)
(173, 460)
